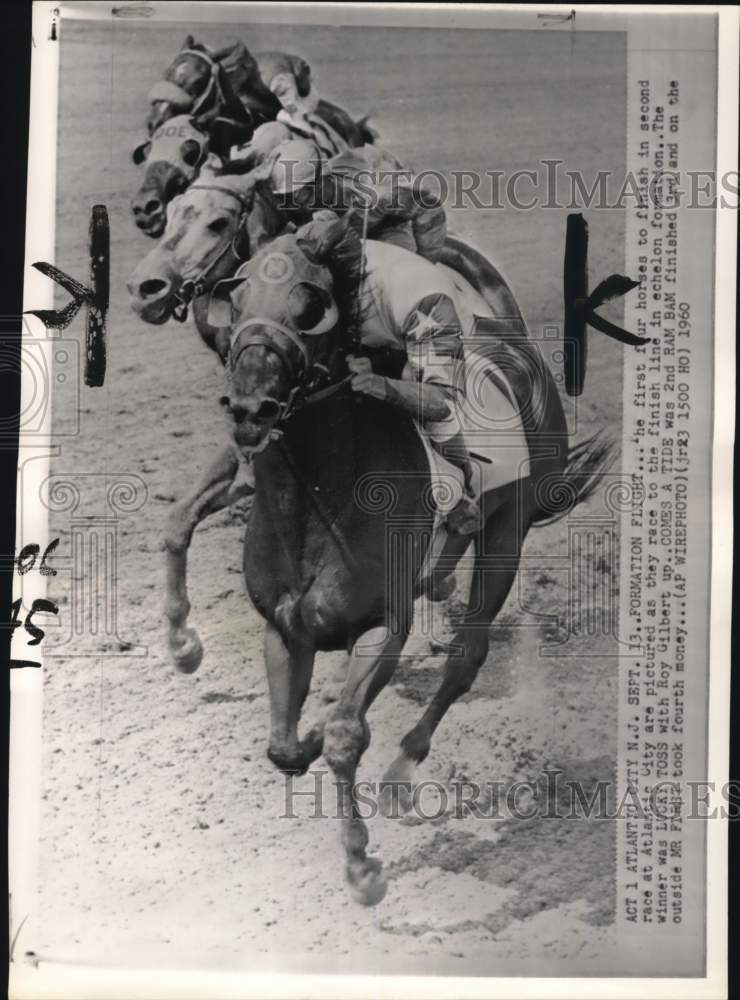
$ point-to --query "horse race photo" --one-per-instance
(369, 514)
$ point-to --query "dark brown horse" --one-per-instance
(342, 516)
(225, 98)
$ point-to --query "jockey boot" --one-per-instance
(465, 518)
(462, 523)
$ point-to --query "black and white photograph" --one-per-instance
(371, 498)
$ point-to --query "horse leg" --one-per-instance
(333, 685)
(289, 670)
(440, 583)
(501, 540)
(214, 491)
(372, 661)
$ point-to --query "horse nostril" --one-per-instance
(152, 286)
(239, 413)
(268, 409)
(152, 206)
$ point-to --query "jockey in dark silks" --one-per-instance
(304, 176)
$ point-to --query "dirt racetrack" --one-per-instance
(165, 837)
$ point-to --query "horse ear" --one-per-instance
(188, 43)
(309, 249)
(332, 234)
(219, 304)
(262, 171)
(212, 164)
(235, 48)
(141, 152)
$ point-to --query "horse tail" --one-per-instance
(558, 493)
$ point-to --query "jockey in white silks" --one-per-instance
(270, 135)
(289, 79)
(406, 303)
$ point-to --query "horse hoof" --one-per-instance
(370, 885)
(295, 763)
(188, 653)
(395, 798)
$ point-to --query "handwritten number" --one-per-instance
(40, 604)
(27, 558)
(14, 623)
(43, 568)
(25, 561)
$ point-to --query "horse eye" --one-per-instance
(218, 225)
(307, 308)
(190, 153)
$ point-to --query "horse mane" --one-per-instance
(338, 245)
(236, 167)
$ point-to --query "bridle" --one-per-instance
(192, 288)
(214, 84)
(311, 383)
(213, 98)
(309, 379)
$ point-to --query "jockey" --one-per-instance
(303, 179)
(280, 87)
(406, 303)
(279, 80)
(323, 139)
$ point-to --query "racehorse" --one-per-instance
(251, 75)
(212, 117)
(176, 153)
(343, 514)
(212, 228)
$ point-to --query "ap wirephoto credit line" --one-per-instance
(371, 607)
